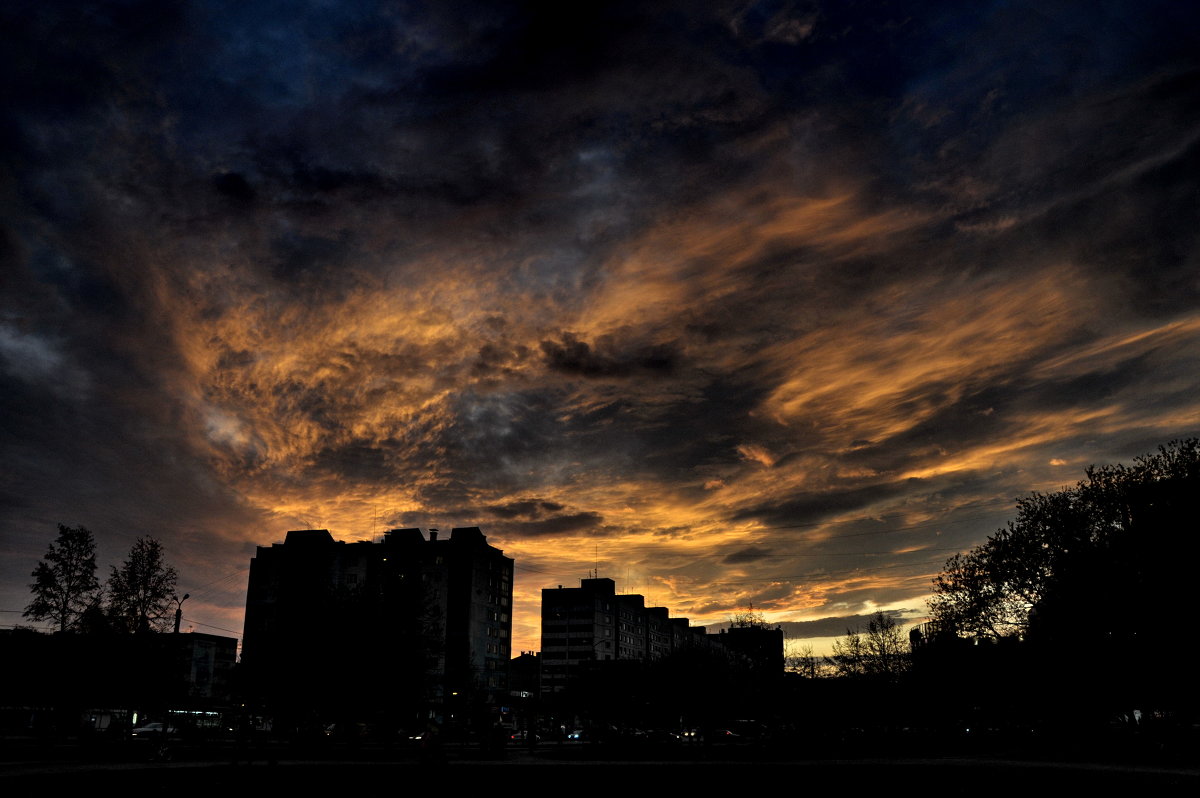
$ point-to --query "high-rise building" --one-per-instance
(593, 623)
(578, 625)
(411, 620)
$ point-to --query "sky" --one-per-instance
(749, 304)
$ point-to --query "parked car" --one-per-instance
(152, 729)
(522, 736)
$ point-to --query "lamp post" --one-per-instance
(179, 610)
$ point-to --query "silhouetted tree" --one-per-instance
(141, 590)
(1109, 529)
(804, 662)
(989, 591)
(750, 619)
(879, 652)
(65, 584)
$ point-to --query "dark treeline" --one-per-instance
(1075, 615)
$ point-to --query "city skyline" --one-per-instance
(771, 304)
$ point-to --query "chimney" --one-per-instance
(433, 536)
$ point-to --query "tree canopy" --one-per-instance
(64, 582)
(141, 590)
(880, 652)
(750, 619)
(1123, 528)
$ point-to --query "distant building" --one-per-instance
(381, 621)
(760, 646)
(579, 624)
(204, 663)
(525, 674)
(593, 623)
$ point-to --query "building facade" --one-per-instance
(205, 663)
(759, 645)
(592, 623)
(411, 620)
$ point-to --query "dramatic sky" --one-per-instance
(769, 303)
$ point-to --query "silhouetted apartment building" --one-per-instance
(760, 646)
(593, 623)
(400, 624)
(525, 674)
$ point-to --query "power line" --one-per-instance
(213, 626)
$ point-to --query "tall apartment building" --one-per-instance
(345, 622)
(593, 623)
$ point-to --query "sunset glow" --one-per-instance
(770, 304)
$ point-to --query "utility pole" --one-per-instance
(179, 610)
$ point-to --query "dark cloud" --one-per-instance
(608, 358)
(838, 626)
(565, 524)
(528, 508)
(234, 186)
(814, 507)
(358, 462)
(745, 555)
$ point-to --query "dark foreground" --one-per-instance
(581, 772)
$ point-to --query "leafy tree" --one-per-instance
(141, 590)
(989, 591)
(880, 652)
(65, 584)
(1108, 531)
